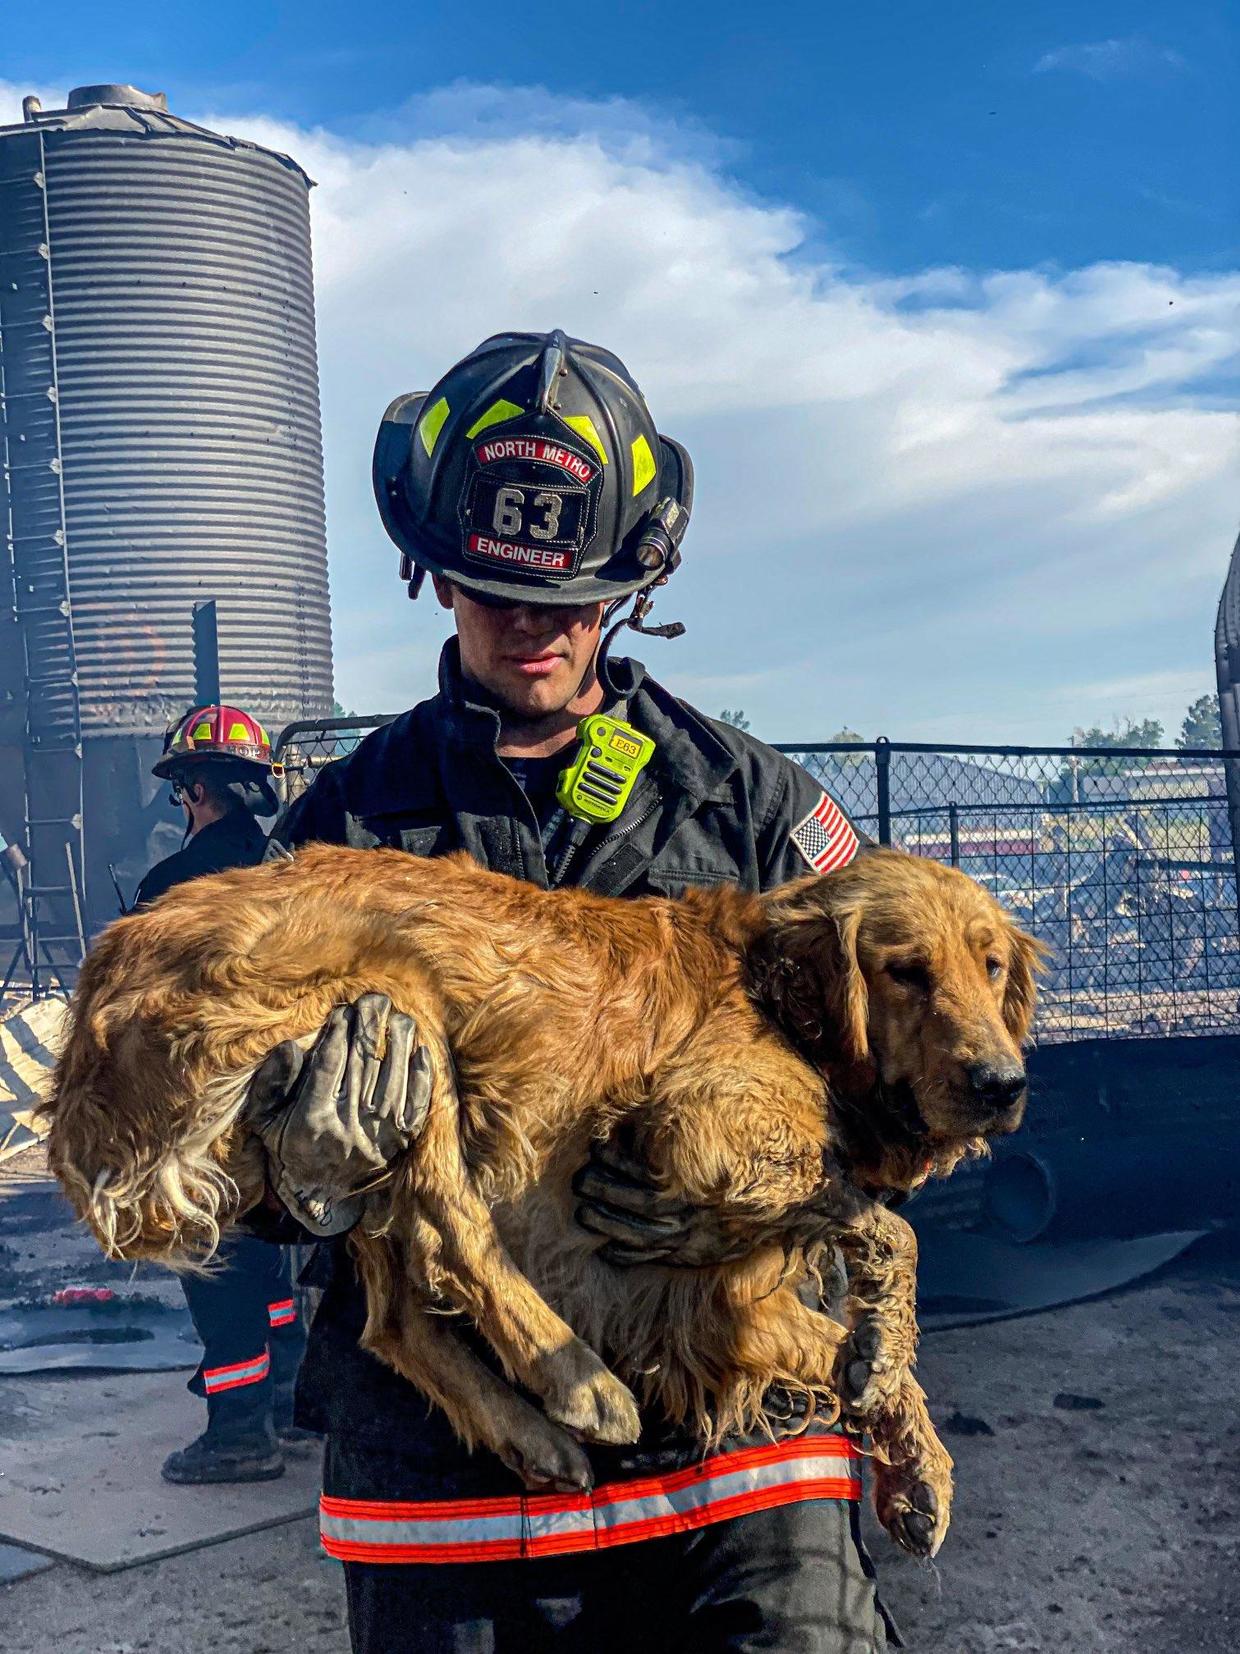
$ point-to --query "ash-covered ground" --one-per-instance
(1097, 1458)
(1097, 1506)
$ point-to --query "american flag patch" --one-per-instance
(825, 838)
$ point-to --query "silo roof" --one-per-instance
(139, 121)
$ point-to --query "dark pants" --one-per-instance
(793, 1580)
(246, 1314)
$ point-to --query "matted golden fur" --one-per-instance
(779, 1058)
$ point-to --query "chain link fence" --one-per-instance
(1119, 859)
(305, 749)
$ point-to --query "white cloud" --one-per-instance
(950, 504)
(1114, 59)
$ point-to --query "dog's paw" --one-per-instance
(913, 1503)
(586, 1397)
(546, 1459)
(597, 1408)
(868, 1372)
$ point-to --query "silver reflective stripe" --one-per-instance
(218, 1378)
(713, 1492)
(605, 1517)
(452, 1530)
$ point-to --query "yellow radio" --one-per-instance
(598, 783)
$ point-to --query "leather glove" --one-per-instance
(334, 1119)
(641, 1225)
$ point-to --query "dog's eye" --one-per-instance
(994, 969)
(909, 974)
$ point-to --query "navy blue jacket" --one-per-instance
(235, 840)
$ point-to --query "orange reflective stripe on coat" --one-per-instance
(617, 1513)
(215, 1379)
(283, 1313)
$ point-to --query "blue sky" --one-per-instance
(943, 298)
(974, 132)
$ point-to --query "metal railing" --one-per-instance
(1119, 859)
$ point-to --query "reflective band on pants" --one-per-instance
(618, 1513)
(215, 1379)
(283, 1313)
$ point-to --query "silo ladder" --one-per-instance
(48, 955)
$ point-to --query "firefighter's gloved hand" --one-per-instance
(641, 1224)
(333, 1119)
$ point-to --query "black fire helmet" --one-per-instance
(533, 471)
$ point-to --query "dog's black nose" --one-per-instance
(996, 1088)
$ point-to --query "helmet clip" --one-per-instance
(412, 574)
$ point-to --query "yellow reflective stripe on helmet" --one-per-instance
(496, 414)
(202, 732)
(644, 468)
(432, 423)
(584, 426)
(239, 732)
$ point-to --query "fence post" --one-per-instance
(882, 769)
(1226, 662)
(953, 823)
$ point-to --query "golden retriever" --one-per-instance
(782, 1059)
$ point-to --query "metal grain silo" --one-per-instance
(162, 446)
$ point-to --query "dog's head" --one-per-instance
(914, 991)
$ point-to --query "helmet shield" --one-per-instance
(533, 467)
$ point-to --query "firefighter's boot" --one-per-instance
(238, 1445)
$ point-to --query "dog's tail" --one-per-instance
(148, 1154)
(175, 1008)
(168, 1204)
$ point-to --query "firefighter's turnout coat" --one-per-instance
(713, 806)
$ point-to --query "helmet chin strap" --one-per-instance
(643, 602)
(658, 550)
(176, 796)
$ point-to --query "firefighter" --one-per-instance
(532, 486)
(218, 760)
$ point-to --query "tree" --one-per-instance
(845, 735)
(1202, 726)
(1148, 732)
(1128, 733)
(342, 743)
(737, 719)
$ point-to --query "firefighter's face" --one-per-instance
(532, 657)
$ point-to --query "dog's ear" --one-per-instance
(1027, 959)
(847, 994)
(805, 969)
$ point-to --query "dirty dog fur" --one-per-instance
(778, 1058)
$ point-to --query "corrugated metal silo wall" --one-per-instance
(189, 422)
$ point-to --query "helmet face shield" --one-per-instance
(529, 473)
